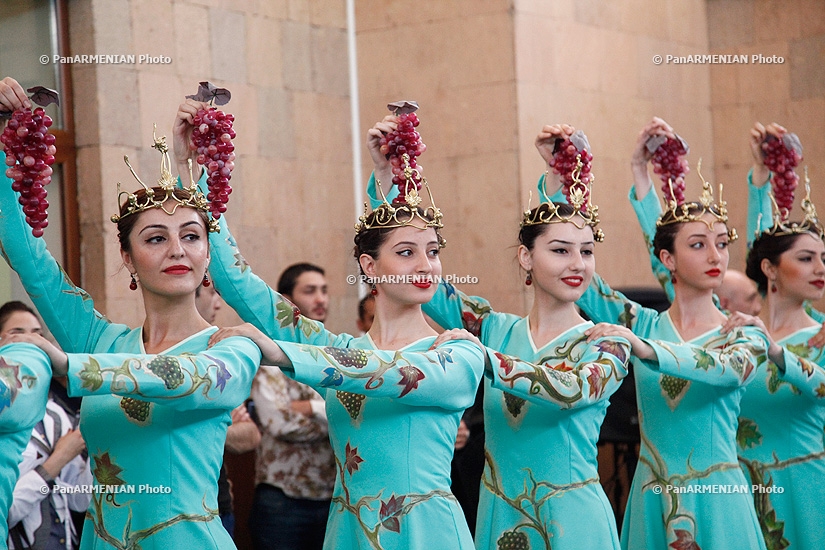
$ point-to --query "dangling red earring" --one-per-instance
(529, 280)
(133, 284)
(773, 287)
(672, 279)
(373, 290)
(206, 282)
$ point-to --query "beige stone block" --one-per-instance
(730, 23)
(328, 13)
(191, 29)
(595, 13)
(330, 75)
(276, 129)
(266, 52)
(770, 110)
(559, 10)
(806, 117)
(644, 18)
(112, 27)
(653, 78)
(764, 81)
(153, 28)
(158, 105)
(273, 9)
(118, 94)
(776, 20)
(379, 14)
(296, 56)
(695, 88)
(328, 196)
(299, 10)
(575, 47)
(91, 193)
(618, 65)
(81, 26)
(535, 59)
(807, 72)
(85, 105)
(811, 14)
(322, 127)
(257, 191)
(687, 23)
(228, 45)
(724, 84)
(244, 106)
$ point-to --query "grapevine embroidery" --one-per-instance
(528, 503)
(391, 511)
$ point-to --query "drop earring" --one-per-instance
(206, 282)
(529, 280)
(133, 284)
(374, 290)
(773, 286)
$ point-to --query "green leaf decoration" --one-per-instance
(286, 316)
(91, 377)
(747, 434)
(704, 360)
(800, 350)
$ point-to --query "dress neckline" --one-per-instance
(173, 346)
(564, 333)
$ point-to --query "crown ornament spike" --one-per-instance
(167, 183)
(810, 222)
(585, 213)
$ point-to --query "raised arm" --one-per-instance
(246, 293)
(760, 211)
(219, 378)
(602, 304)
(576, 374)
(66, 309)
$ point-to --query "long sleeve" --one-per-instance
(446, 377)
(580, 375)
(647, 212)
(253, 300)
(725, 360)
(805, 374)
(605, 305)
(451, 308)
(219, 378)
(760, 211)
(66, 309)
(271, 394)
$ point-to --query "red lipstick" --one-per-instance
(713, 272)
(573, 281)
(177, 270)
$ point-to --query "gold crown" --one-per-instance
(168, 184)
(680, 213)
(809, 224)
(584, 211)
(406, 213)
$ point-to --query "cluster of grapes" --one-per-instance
(404, 141)
(670, 163)
(565, 159)
(212, 139)
(29, 155)
(781, 161)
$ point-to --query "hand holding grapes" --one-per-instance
(381, 164)
(182, 136)
(546, 145)
(642, 155)
(759, 134)
(12, 97)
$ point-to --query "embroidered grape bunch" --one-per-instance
(356, 358)
(353, 402)
(513, 540)
(167, 369)
(513, 403)
(135, 409)
(672, 385)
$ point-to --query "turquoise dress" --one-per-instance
(540, 486)
(780, 433)
(25, 373)
(688, 490)
(143, 440)
(392, 433)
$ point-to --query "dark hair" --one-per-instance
(368, 241)
(289, 278)
(9, 308)
(127, 222)
(767, 247)
(666, 234)
(529, 233)
(362, 305)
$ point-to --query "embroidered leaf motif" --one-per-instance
(747, 434)
(472, 323)
(561, 367)
(448, 288)
(807, 367)
(223, 374)
(308, 326)
(514, 404)
(391, 511)
(513, 540)
(505, 363)
(91, 376)
(107, 472)
(820, 391)
(9, 383)
(410, 377)
(704, 360)
(444, 356)
(288, 314)
(684, 541)
(773, 529)
(353, 402)
(800, 350)
(352, 461)
(626, 317)
(595, 380)
(617, 349)
(334, 377)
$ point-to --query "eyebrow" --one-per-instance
(410, 243)
(165, 227)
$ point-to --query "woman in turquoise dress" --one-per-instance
(540, 487)
(142, 440)
(25, 373)
(393, 416)
(783, 413)
(688, 491)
